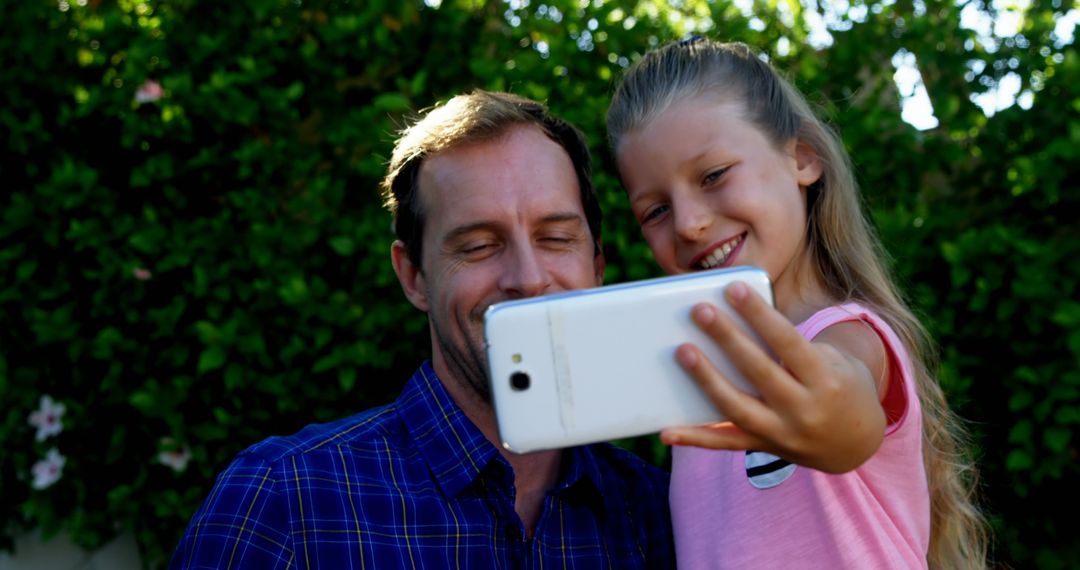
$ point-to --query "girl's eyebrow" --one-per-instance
(708, 153)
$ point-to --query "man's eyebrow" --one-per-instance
(487, 225)
(560, 217)
(467, 229)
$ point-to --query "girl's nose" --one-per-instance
(692, 219)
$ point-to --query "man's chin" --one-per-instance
(469, 368)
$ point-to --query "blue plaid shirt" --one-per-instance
(414, 484)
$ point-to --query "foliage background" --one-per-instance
(211, 267)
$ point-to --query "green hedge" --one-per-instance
(188, 271)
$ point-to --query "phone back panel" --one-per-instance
(601, 362)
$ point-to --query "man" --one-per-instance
(492, 200)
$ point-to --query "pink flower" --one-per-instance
(47, 418)
(149, 92)
(176, 459)
(48, 470)
(141, 274)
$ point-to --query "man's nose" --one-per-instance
(525, 274)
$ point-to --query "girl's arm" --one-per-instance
(819, 405)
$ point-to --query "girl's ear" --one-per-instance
(808, 167)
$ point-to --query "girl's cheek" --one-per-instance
(655, 239)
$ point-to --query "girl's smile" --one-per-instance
(719, 255)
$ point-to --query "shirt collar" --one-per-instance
(453, 447)
(582, 477)
(457, 452)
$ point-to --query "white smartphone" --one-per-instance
(598, 364)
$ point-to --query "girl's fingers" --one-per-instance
(793, 350)
(717, 436)
(746, 411)
(748, 357)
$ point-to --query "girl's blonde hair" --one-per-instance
(841, 242)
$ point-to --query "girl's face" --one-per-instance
(710, 190)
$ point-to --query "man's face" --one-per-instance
(504, 220)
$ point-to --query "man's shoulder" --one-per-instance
(365, 429)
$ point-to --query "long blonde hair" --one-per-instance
(842, 244)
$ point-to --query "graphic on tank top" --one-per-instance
(765, 470)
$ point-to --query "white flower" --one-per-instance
(176, 459)
(141, 274)
(48, 470)
(149, 92)
(47, 418)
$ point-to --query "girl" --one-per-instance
(850, 457)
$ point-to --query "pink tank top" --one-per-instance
(754, 510)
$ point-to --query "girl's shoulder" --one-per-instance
(893, 369)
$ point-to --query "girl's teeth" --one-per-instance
(715, 259)
(720, 255)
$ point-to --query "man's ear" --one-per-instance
(808, 167)
(409, 276)
(599, 263)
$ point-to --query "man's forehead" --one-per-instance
(468, 159)
(522, 171)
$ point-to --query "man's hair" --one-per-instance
(479, 116)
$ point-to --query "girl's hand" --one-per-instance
(818, 406)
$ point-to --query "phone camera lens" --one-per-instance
(519, 381)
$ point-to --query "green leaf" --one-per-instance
(25, 269)
(1073, 342)
(295, 91)
(202, 281)
(1057, 439)
(234, 377)
(418, 83)
(1018, 460)
(208, 332)
(392, 102)
(327, 362)
(120, 495)
(343, 245)
(211, 359)
(1067, 315)
(210, 432)
(1020, 399)
(347, 378)
(1021, 432)
(1068, 415)
(142, 401)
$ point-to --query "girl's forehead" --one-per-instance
(726, 99)
(693, 120)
